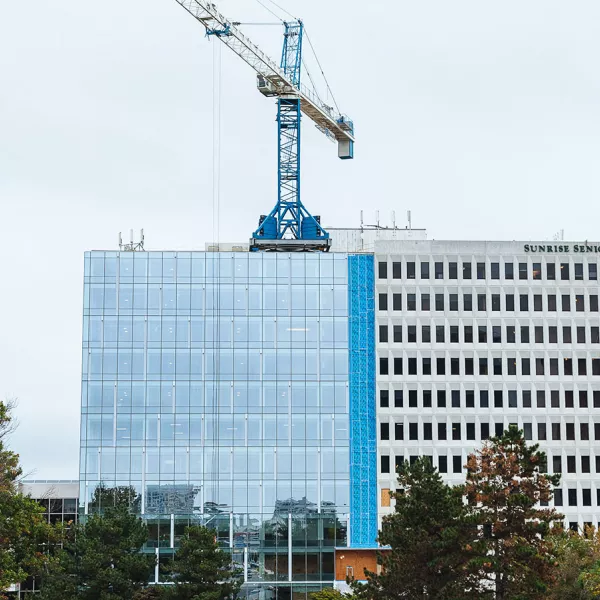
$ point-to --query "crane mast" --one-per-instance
(289, 226)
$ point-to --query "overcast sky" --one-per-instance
(480, 117)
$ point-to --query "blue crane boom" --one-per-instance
(289, 226)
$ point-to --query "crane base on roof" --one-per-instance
(274, 245)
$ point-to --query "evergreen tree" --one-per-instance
(24, 529)
(201, 570)
(427, 535)
(102, 559)
(511, 555)
(328, 594)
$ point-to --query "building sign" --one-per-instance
(562, 248)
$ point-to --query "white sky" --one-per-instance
(480, 117)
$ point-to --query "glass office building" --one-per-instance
(235, 390)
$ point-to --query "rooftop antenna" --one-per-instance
(409, 215)
(132, 246)
(377, 218)
(362, 220)
(394, 219)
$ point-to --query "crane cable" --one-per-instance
(268, 9)
(322, 72)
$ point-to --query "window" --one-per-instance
(593, 271)
(553, 334)
(412, 366)
(424, 270)
(397, 270)
(485, 431)
(382, 270)
(554, 366)
(470, 399)
(385, 464)
(557, 464)
(558, 497)
(441, 366)
(578, 271)
(586, 496)
(441, 398)
(511, 366)
(528, 431)
(439, 270)
(584, 432)
(596, 396)
(383, 366)
(468, 301)
(573, 497)
(384, 398)
(538, 332)
(582, 366)
(397, 365)
(454, 366)
(470, 431)
(442, 431)
(410, 270)
(397, 302)
(427, 431)
(522, 270)
(439, 302)
(579, 303)
(541, 399)
(412, 398)
(412, 334)
(596, 366)
(567, 334)
(537, 270)
(468, 334)
(456, 398)
(426, 366)
(583, 399)
(524, 334)
(456, 464)
(384, 431)
(439, 334)
(484, 399)
(398, 431)
(594, 302)
(525, 366)
(564, 271)
(526, 398)
(413, 431)
(443, 464)
(496, 334)
(550, 271)
(426, 334)
(425, 302)
(495, 270)
(510, 334)
(542, 431)
(454, 334)
(456, 435)
(452, 270)
(537, 302)
(580, 335)
(569, 402)
(510, 302)
(481, 302)
(509, 271)
(383, 334)
(469, 366)
(454, 302)
(556, 431)
(411, 302)
(482, 334)
(552, 302)
(497, 363)
(523, 302)
(566, 302)
(397, 333)
(398, 398)
(571, 468)
(426, 398)
(495, 302)
(480, 270)
(498, 429)
(383, 303)
(498, 402)
(467, 271)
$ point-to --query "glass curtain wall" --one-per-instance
(215, 391)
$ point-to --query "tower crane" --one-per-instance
(289, 226)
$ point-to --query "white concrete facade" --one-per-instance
(512, 339)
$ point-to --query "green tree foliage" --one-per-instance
(512, 555)
(200, 570)
(427, 535)
(328, 594)
(101, 559)
(24, 531)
